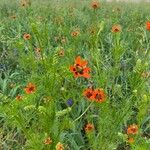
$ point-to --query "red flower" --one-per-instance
(25, 3)
(131, 140)
(80, 69)
(116, 28)
(148, 25)
(88, 93)
(75, 33)
(27, 36)
(18, 97)
(99, 95)
(48, 141)
(59, 146)
(30, 88)
(89, 127)
(132, 129)
(61, 52)
(95, 4)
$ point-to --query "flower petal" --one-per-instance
(78, 60)
(72, 68)
(86, 75)
(84, 63)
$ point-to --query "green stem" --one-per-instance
(83, 112)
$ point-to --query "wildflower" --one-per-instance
(75, 33)
(59, 146)
(79, 69)
(24, 3)
(88, 93)
(13, 17)
(61, 52)
(18, 97)
(148, 25)
(56, 38)
(48, 141)
(99, 95)
(38, 50)
(89, 127)
(92, 30)
(131, 140)
(145, 74)
(38, 53)
(69, 102)
(95, 4)
(116, 28)
(64, 40)
(26, 36)
(132, 129)
(30, 88)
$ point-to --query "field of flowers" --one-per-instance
(74, 75)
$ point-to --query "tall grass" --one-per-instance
(54, 109)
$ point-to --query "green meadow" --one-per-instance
(74, 75)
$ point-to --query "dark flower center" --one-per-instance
(95, 5)
(89, 94)
(31, 88)
(98, 96)
(133, 129)
(116, 30)
(79, 69)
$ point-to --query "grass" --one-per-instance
(44, 104)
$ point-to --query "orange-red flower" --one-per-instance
(18, 97)
(116, 28)
(80, 69)
(89, 127)
(48, 141)
(95, 4)
(131, 140)
(148, 25)
(88, 93)
(132, 129)
(26, 36)
(75, 33)
(59, 146)
(99, 95)
(30, 88)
